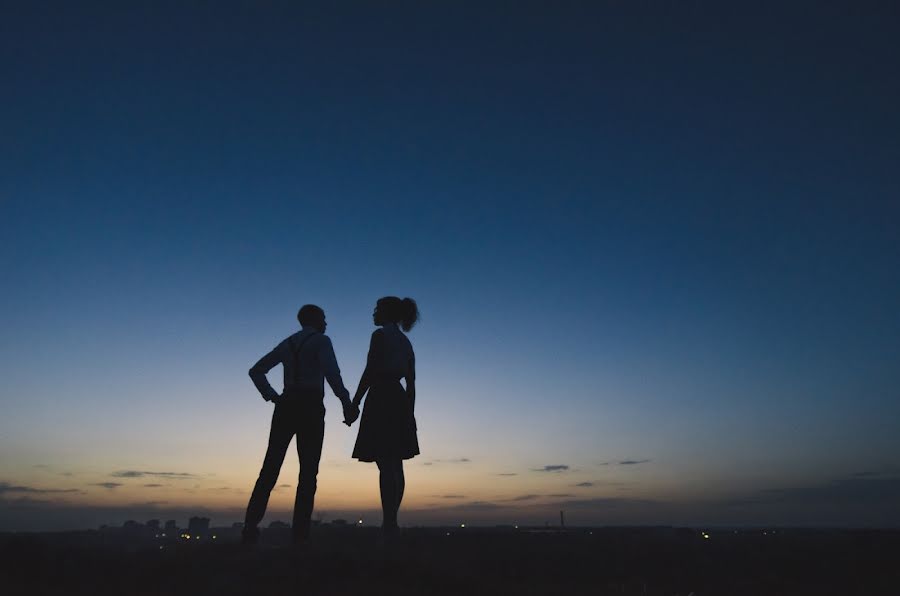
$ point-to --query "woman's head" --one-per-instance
(391, 309)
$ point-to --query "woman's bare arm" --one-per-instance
(411, 384)
(376, 344)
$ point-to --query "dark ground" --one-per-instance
(470, 561)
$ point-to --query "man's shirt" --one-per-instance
(308, 359)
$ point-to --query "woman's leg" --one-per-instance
(401, 483)
(387, 482)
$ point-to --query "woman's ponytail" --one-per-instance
(410, 313)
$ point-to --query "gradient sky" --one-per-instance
(655, 247)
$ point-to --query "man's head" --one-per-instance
(311, 315)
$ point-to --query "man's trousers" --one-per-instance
(303, 416)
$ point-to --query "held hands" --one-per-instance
(351, 412)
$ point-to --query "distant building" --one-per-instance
(238, 525)
(339, 522)
(198, 526)
(132, 525)
(153, 524)
(279, 524)
(171, 527)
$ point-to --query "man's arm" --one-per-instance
(331, 370)
(258, 374)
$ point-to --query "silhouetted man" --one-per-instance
(308, 359)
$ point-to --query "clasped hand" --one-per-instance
(351, 412)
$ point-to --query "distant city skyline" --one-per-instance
(655, 250)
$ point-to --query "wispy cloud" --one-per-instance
(857, 490)
(50, 468)
(451, 496)
(533, 497)
(25, 502)
(607, 502)
(153, 485)
(143, 473)
(869, 474)
(633, 462)
(6, 487)
(107, 485)
(585, 484)
(477, 506)
(552, 468)
(507, 474)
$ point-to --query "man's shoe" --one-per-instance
(390, 534)
(249, 536)
(300, 533)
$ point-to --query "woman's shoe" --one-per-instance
(249, 536)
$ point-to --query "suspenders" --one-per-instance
(296, 353)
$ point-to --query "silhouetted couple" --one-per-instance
(387, 431)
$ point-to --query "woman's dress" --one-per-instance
(387, 428)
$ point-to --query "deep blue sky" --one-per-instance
(661, 233)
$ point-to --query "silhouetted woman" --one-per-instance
(387, 431)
